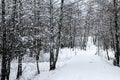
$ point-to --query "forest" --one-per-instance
(35, 32)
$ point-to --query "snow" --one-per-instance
(86, 67)
(72, 65)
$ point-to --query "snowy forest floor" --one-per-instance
(72, 65)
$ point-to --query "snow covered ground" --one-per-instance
(84, 67)
(72, 65)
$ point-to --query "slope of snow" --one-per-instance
(85, 67)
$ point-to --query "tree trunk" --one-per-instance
(4, 53)
(8, 66)
(37, 62)
(59, 33)
(53, 59)
(117, 53)
(107, 54)
(19, 72)
(52, 66)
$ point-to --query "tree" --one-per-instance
(58, 44)
(37, 48)
(117, 52)
(20, 46)
(4, 53)
(52, 66)
(54, 55)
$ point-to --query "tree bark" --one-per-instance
(107, 54)
(117, 53)
(54, 57)
(19, 71)
(4, 53)
(52, 66)
(37, 62)
(8, 66)
(59, 33)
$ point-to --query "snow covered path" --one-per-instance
(86, 67)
